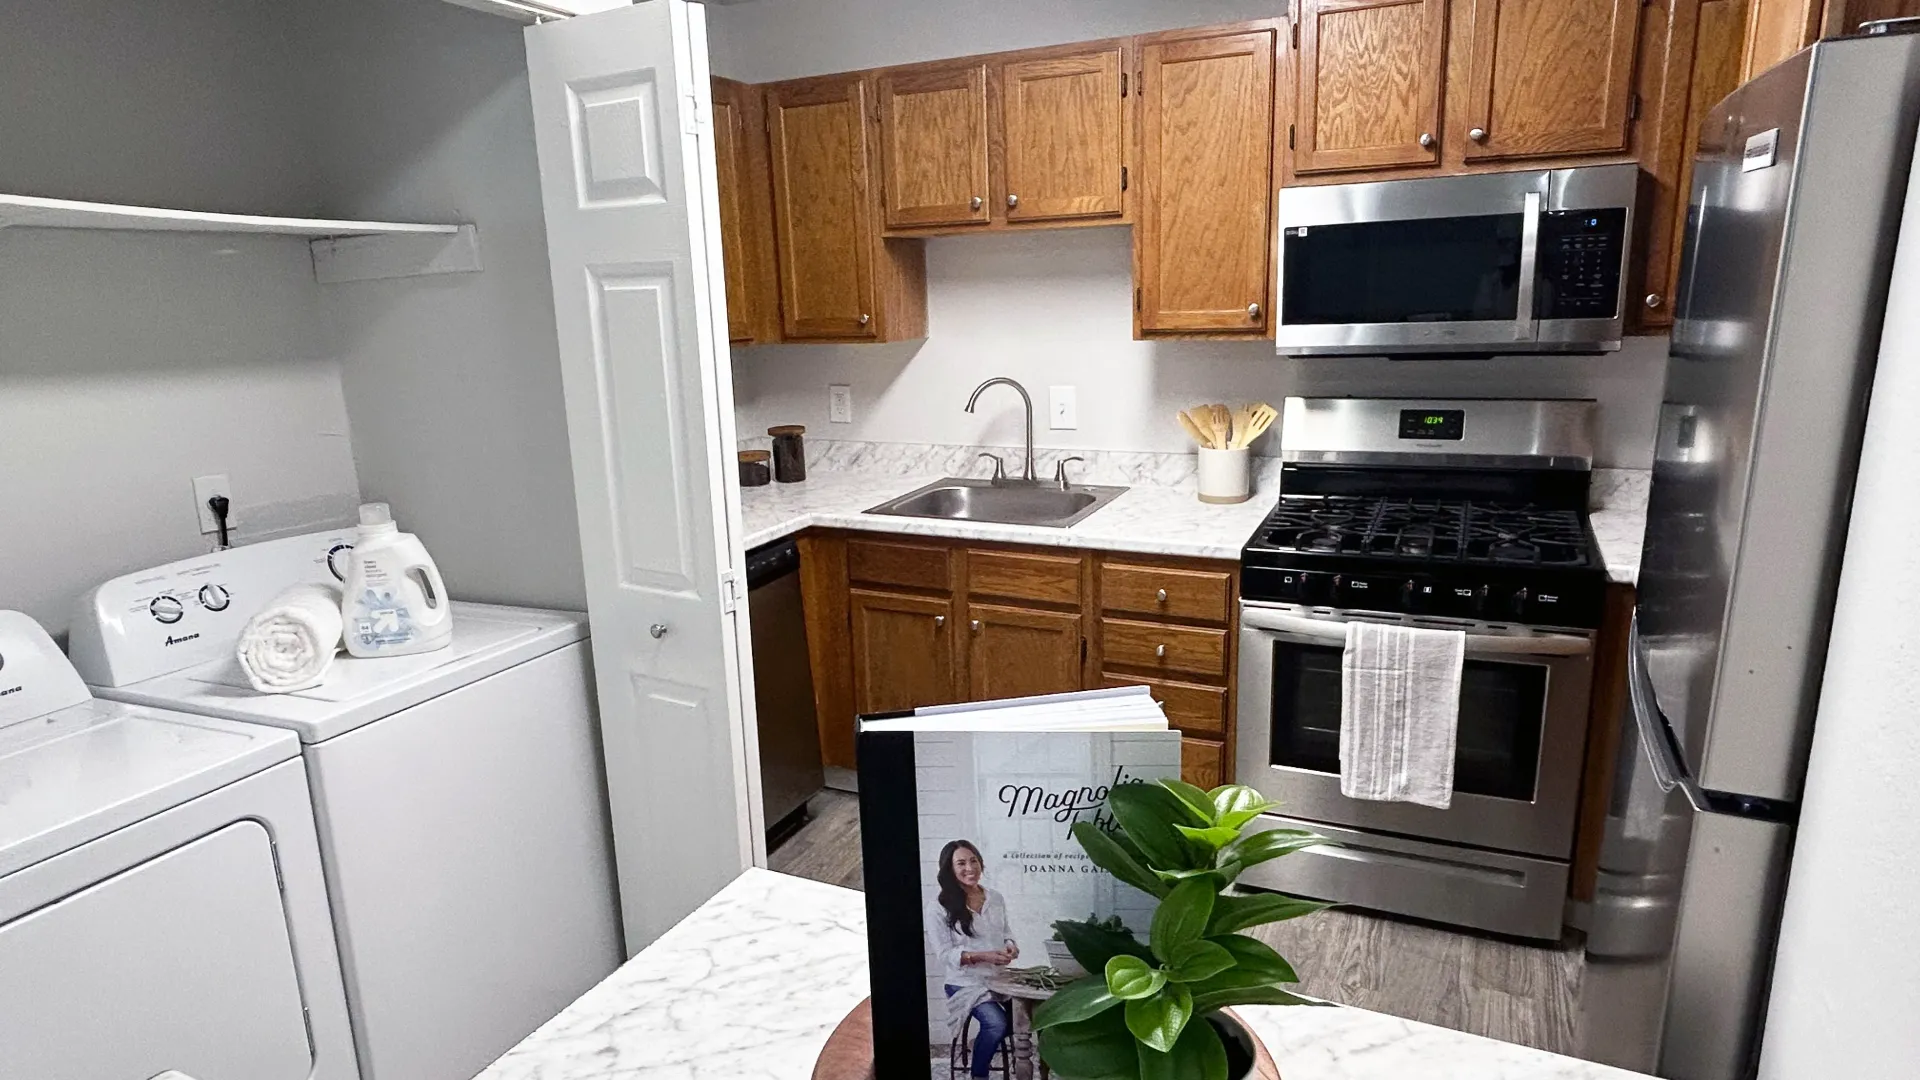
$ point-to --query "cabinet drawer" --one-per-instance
(1189, 707)
(915, 566)
(1160, 647)
(1050, 579)
(1203, 763)
(1157, 590)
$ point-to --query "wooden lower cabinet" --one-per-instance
(1016, 652)
(1203, 762)
(902, 651)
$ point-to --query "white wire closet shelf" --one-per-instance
(28, 211)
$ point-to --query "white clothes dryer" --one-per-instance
(460, 796)
(162, 904)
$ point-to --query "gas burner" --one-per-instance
(1432, 530)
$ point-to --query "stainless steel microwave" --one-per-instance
(1513, 262)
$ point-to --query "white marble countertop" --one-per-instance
(1619, 517)
(1147, 518)
(749, 987)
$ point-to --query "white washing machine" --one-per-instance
(161, 899)
(459, 795)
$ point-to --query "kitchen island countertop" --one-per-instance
(749, 986)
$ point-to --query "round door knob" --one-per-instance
(1426, 140)
(1013, 201)
(865, 318)
(1160, 651)
(976, 626)
(1161, 595)
(658, 630)
(1478, 134)
(939, 621)
(214, 597)
(167, 609)
(1253, 311)
(1654, 300)
(978, 202)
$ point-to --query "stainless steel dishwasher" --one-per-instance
(790, 770)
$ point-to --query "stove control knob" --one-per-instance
(167, 610)
(214, 597)
(1517, 603)
(1417, 595)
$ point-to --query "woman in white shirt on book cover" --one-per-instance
(968, 929)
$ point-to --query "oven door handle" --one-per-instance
(1335, 632)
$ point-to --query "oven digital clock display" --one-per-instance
(1437, 424)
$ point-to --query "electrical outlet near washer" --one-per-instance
(205, 488)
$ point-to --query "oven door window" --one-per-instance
(1456, 269)
(1502, 708)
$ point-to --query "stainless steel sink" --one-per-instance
(1007, 502)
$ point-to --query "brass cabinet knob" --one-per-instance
(1013, 201)
(1160, 651)
(865, 318)
(939, 621)
(1478, 134)
(1253, 311)
(978, 202)
(1426, 140)
(1161, 596)
(1654, 300)
(976, 626)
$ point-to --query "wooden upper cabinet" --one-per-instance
(1202, 241)
(1367, 84)
(1017, 652)
(1064, 136)
(933, 139)
(1548, 77)
(818, 134)
(902, 651)
(746, 212)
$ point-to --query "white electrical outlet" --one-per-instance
(206, 487)
(1063, 407)
(839, 404)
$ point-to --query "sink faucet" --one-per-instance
(1026, 398)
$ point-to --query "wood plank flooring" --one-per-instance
(1514, 991)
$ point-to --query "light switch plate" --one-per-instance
(206, 487)
(1063, 407)
(839, 404)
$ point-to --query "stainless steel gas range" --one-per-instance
(1461, 515)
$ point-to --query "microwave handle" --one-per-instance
(1524, 325)
(1334, 631)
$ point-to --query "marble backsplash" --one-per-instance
(1118, 467)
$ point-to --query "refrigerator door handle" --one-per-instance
(1656, 734)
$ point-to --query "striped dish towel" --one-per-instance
(1400, 713)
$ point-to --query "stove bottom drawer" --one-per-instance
(1481, 890)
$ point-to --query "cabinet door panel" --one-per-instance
(902, 651)
(818, 135)
(1368, 84)
(1064, 137)
(1014, 652)
(933, 137)
(1549, 77)
(1203, 762)
(746, 212)
(1201, 246)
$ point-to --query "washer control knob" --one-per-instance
(167, 609)
(214, 597)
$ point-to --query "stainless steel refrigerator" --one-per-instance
(1799, 186)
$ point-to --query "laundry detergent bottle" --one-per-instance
(395, 602)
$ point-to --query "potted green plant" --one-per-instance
(1152, 1011)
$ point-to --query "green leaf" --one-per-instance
(1149, 812)
(1248, 995)
(1236, 804)
(1182, 916)
(1200, 801)
(1254, 960)
(1199, 1054)
(1076, 1001)
(1232, 913)
(1100, 1048)
(1198, 960)
(1215, 878)
(1256, 848)
(1214, 837)
(1159, 1019)
(1130, 978)
(1115, 860)
(1093, 946)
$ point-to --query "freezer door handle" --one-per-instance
(1656, 735)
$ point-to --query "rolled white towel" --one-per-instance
(291, 643)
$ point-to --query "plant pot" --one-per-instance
(1063, 962)
(1247, 1057)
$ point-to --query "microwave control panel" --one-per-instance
(1580, 263)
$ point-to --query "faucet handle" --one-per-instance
(999, 467)
(1060, 470)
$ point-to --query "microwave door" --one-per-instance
(1428, 266)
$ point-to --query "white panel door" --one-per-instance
(622, 114)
